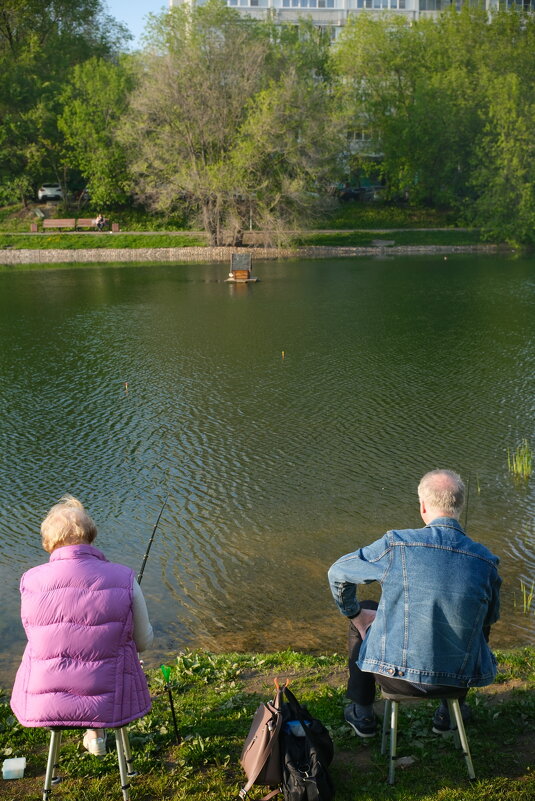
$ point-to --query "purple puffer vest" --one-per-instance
(80, 666)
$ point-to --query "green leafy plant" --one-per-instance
(520, 461)
(527, 595)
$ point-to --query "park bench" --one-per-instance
(89, 222)
(75, 224)
(59, 223)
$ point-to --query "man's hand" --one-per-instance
(363, 621)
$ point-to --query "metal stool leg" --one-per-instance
(123, 734)
(52, 764)
(455, 710)
(125, 787)
(393, 741)
(386, 724)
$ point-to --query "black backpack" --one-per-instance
(306, 752)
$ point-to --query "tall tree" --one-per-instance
(40, 42)
(94, 101)
(204, 80)
(413, 86)
(504, 175)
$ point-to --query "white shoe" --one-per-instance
(95, 745)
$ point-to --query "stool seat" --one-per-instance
(390, 725)
(124, 756)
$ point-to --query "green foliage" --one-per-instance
(94, 101)
(444, 109)
(516, 664)
(527, 596)
(520, 461)
(449, 238)
(356, 214)
(39, 45)
(450, 104)
(105, 240)
(241, 147)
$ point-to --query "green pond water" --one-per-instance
(289, 420)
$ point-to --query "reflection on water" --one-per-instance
(275, 466)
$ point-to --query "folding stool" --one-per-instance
(124, 756)
(390, 727)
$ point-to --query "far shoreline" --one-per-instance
(14, 257)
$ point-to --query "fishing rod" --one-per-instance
(165, 670)
(140, 576)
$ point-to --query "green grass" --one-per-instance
(16, 219)
(520, 461)
(527, 596)
(415, 238)
(355, 214)
(71, 241)
(215, 697)
(103, 240)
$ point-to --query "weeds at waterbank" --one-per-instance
(215, 697)
(520, 461)
(527, 596)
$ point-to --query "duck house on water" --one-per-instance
(240, 269)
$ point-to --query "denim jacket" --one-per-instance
(440, 593)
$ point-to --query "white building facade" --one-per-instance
(333, 14)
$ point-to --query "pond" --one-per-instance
(289, 421)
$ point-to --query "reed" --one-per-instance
(527, 595)
(520, 461)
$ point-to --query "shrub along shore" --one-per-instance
(215, 697)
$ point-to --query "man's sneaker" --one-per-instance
(363, 725)
(95, 745)
(441, 718)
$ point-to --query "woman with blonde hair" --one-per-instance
(85, 619)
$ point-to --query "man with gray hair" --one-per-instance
(439, 596)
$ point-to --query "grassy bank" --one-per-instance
(356, 214)
(353, 224)
(102, 240)
(137, 240)
(215, 698)
(419, 238)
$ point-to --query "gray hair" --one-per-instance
(443, 490)
(67, 523)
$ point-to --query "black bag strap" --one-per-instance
(293, 703)
(297, 711)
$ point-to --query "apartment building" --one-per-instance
(333, 14)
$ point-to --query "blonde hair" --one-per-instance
(443, 490)
(67, 523)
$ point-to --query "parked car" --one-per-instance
(50, 192)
